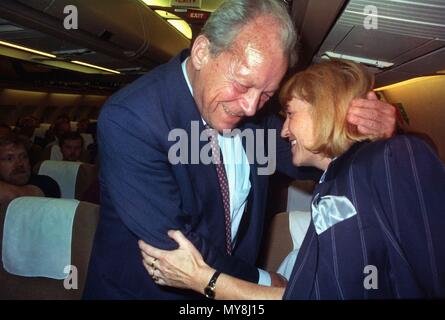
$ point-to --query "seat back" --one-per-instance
(87, 140)
(19, 287)
(86, 175)
(53, 152)
(278, 242)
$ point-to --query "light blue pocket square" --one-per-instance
(330, 210)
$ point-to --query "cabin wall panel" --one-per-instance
(424, 103)
(47, 106)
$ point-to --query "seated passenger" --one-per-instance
(57, 130)
(82, 125)
(16, 179)
(25, 127)
(377, 227)
(71, 144)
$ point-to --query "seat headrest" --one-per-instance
(65, 174)
(19, 287)
(37, 236)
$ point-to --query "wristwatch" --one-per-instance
(209, 291)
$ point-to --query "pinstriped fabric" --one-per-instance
(424, 215)
(334, 253)
(359, 220)
(294, 277)
(335, 261)
(395, 219)
(392, 240)
(387, 232)
(398, 295)
(317, 288)
(391, 193)
(410, 261)
(224, 186)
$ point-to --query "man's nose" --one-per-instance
(250, 103)
(285, 129)
(19, 166)
(19, 162)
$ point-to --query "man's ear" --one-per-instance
(200, 52)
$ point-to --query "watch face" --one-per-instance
(209, 293)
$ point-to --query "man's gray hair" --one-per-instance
(226, 22)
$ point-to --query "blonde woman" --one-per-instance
(378, 222)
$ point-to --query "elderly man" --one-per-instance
(16, 179)
(233, 68)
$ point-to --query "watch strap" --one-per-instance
(209, 291)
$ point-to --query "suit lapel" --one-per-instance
(183, 113)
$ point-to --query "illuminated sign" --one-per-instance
(197, 15)
(186, 3)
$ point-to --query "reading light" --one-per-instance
(182, 27)
(371, 62)
(157, 3)
(11, 45)
(166, 15)
(94, 66)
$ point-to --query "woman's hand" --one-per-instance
(180, 268)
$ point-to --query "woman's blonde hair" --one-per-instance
(329, 87)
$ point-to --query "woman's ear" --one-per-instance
(200, 52)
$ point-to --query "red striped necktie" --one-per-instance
(223, 185)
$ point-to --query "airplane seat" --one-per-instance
(41, 130)
(87, 140)
(73, 125)
(53, 152)
(278, 242)
(74, 178)
(284, 237)
(34, 153)
(25, 281)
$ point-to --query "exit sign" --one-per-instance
(197, 15)
(186, 3)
